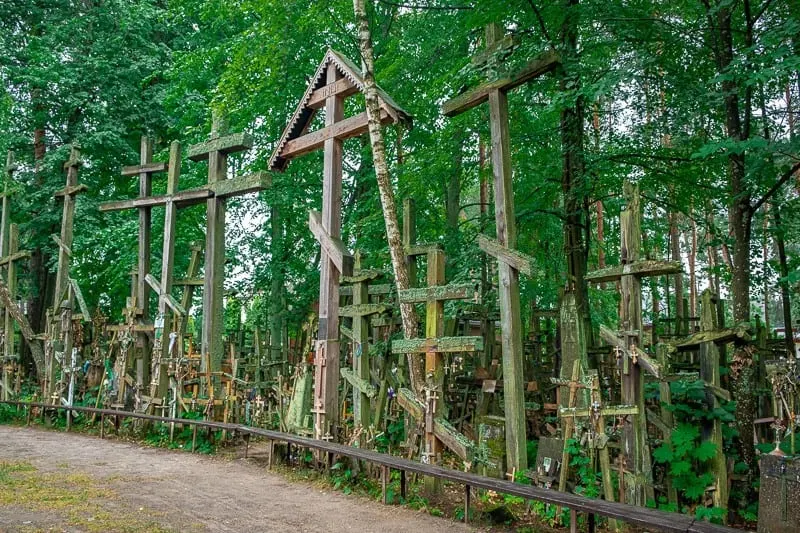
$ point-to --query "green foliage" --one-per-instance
(685, 453)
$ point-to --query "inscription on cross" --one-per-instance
(510, 262)
(634, 360)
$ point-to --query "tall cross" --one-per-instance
(359, 376)
(5, 221)
(9, 260)
(510, 262)
(435, 344)
(630, 274)
(71, 189)
(216, 151)
(336, 79)
(145, 170)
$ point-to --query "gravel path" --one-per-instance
(178, 491)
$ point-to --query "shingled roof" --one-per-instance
(304, 114)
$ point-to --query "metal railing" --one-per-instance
(651, 519)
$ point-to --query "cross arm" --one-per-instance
(72, 190)
(360, 310)
(422, 249)
(516, 260)
(438, 345)
(168, 298)
(147, 168)
(15, 257)
(182, 198)
(540, 65)
(612, 410)
(81, 302)
(452, 291)
(257, 181)
(633, 352)
(344, 129)
(332, 246)
(640, 269)
(358, 383)
(236, 142)
(740, 333)
(442, 429)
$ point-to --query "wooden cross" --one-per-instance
(216, 151)
(596, 414)
(10, 358)
(360, 311)
(145, 170)
(335, 80)
(630, 274)
(510, 262)
(435, 344)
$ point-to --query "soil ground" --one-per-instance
(53, 481)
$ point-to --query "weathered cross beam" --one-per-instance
(630, 274)
(510, 262)
(335, 80)
(435, 345)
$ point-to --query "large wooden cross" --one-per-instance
(145, 170)
(216, 151)
(336, 79)
(510, 262)
(10, 358)
(634, 360)
(435, 345)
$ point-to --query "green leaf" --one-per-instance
(705, 451)
(664, 453)
(680, 467)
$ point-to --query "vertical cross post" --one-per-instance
(8, 325)
(70, 190)
(216, 151)
(326, 394)
(160, 381)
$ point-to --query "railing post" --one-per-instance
(194, 436)
(69, 419)
(28, 416)
(403, 484)
(573, 521)
(592, 526)
(271, 454)
(246, 444)
(467, 502)
(102, 425)
(385, 472)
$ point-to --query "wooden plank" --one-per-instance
(453, 291)
(542, 64)
(144, 168)
(16, 256)
(642, 358)
(361, 310)
(421, 249)
(257, 181)
(340, 130)
(81, 302)
(517, 260)
(343, 87)
(362, 275)
(72, 190)
(740, 333)
(235, 142)
(440, 345)
(188, 282)
(358, 383)
(614, 410)
(410, 403)
(332, 246)
(641, 269)
(181, 198)
(373, 290)
(62, 245)
(30, 337)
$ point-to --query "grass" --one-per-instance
(76, 499)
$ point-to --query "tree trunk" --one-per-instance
(407, 311)
(572, 177)
(675, 251)
(276, 311)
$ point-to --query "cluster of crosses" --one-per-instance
(158, 340)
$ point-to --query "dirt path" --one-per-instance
(66, 482)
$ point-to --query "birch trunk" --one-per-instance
(407, 311)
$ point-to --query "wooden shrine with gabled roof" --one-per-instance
(336, 79)
(295, 139)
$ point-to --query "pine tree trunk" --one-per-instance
(407, 311)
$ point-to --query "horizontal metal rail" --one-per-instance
(651, 519)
